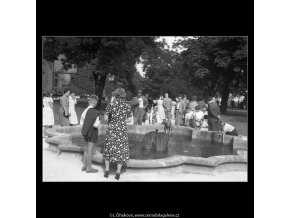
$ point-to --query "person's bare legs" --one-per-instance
(118, 172)
(107, 168)
(89, 158)
(84, 160)
(119, 167)
(107, 165)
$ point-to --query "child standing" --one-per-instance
(198, 117)
(155, 116)
(189, 117)
(130, 120)
(90, 133)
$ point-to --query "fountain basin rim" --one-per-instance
(174, 160)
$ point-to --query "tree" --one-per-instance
(214, 63)
(101, 56)
(165, 73)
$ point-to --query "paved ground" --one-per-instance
(67, 168)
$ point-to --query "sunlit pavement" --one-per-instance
(68, 169)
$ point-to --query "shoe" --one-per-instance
(84, 168)
(92, 170)
(106, 174)
(117, 176)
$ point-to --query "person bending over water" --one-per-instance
(228, 129)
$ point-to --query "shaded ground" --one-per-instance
(235, 117)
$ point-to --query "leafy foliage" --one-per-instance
(100, 56)
(214, 64)
(206, 66)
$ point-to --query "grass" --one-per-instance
(238, 119)
(235, 117)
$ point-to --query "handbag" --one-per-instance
(97, 123)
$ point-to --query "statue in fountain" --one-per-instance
(158, 141)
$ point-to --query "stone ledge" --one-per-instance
(178, 160)
(63, 139)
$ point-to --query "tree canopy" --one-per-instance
(100, 57)
(216, 64)
(205, 67)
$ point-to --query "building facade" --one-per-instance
(54, 76)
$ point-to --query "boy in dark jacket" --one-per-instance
(90, 133)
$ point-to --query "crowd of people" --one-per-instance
(67, 112)
(196, 112)
(142, 110)
(199, 113)
(237, 101)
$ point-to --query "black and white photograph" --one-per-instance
(136, 109)
(145, 108)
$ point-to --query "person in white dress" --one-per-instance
(161, 112)
(73, 119)
(173, 113)
(48, 117)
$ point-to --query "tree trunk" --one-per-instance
(99, 87)
(225, 95)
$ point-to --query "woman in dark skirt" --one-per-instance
(116, 147)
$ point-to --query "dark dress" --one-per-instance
(89, 132)
(116, 148)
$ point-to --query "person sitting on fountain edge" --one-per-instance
(90, 133)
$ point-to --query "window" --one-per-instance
(42, 72)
